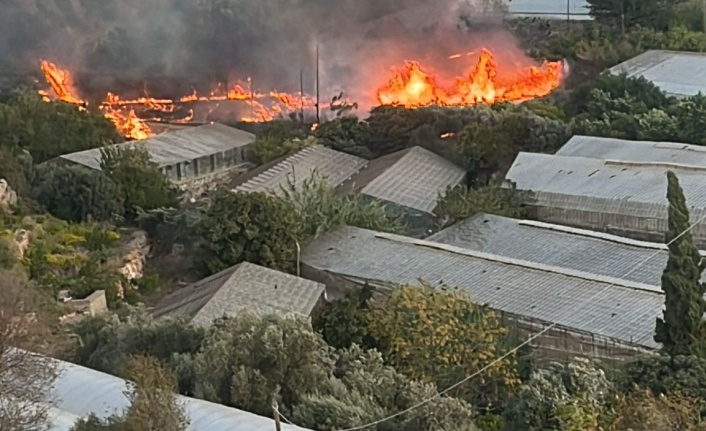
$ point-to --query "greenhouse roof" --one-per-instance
(613, 308)
(635, 151)
(677, 73)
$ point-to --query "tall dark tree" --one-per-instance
(682, 330)
(630, 13)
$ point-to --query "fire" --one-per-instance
(61, 83)
(412, 87)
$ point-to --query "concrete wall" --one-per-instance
(94, 304)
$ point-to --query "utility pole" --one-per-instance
(252, 99)
(704, 10)
(568, 15)
(622, 19)
(275, 408)
(301, 93)
(318, 106)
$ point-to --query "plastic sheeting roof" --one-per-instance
(677, 73)
(613, 308)
(80, 391)
(595, 147)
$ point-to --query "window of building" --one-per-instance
(196, 168)
(213, 162)
(178, 171)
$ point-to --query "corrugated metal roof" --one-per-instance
(567, 298)
(243, 286)
(560, 246)
(176, 147)
(415, 180)
(332, 165)
(677, 73)
(549, 9)
(80, 391)
(636, 151)
(613, 186)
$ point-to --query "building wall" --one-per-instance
(206, 166)
(417, 223)
(556, 344)
(651, 229)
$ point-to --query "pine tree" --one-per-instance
(682, 330)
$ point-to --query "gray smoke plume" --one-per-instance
(168, 48)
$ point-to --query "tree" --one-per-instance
(682, 330)
(641, 410)
(78, 194)
(665, 375)
(142, 183)
(108, 342)
(280, 138)
(460, 203)
(318, 209)
(342, 134)
(647, 13)
(153, 404)
(440, 336)
(25, 377)
(560, 396)
(48, 130)
(252, 227)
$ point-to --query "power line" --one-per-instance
(518, 347)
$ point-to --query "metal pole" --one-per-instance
(301, 93)
(299, 252)
(252, 99)
(318, 107)
(568, 14)
(275, 408)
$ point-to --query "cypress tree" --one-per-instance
(682, 330)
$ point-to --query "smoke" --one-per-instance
(167, 48)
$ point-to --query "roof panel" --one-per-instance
(675, 72)
(627, 185)
(243, 286)
(637, 151)
(415, 180)
(550, 9)
(175, 147)
(567, 298)
(561, 246)
(334, 166)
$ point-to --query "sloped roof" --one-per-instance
(80, 391)
(633, 151)
(561, 246)
(613, 308)
(621, 186)
(243, 286)
(677, 73)
(179, 146)
(333, 166)
(412, 178)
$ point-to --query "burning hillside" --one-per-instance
(412, 86)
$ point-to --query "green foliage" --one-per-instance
(277, 139)
(252, 227)
(153, 404)
(440, 336)
(139, 179)
(16, 168)
(77, 194)
(74, 258)
(647, 13)
(682, 330)
(318, 209)
(247, 361)
(8, 253)
(555, 398)
(460, 203)
(48, 130)
(428, 334)
(342, 134)
(169, 226)
(107, 342)
(664, 375)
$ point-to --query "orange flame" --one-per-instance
(412, 87)
(129, 125)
